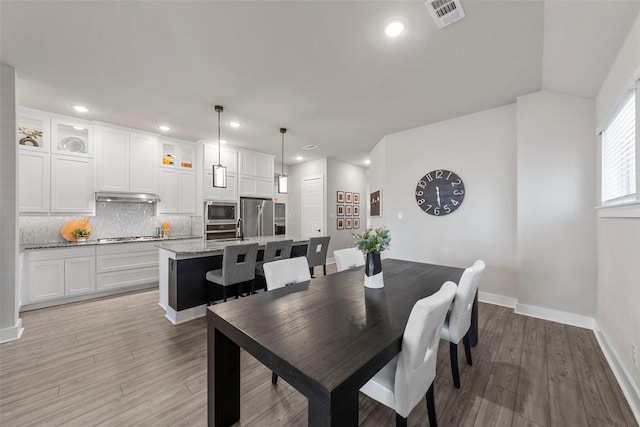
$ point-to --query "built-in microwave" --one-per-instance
(220, 213)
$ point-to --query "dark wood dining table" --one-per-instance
(326, 337)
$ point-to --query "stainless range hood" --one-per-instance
(107, 196)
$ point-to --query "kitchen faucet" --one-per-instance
(240, 229)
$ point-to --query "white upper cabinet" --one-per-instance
(112, 154)
(228, 155)
(33, 182)
(142, 167)
(125, 160)
(256, 174)
(72, 185)
(177, 177)
(71, 137)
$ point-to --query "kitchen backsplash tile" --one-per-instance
(111, 220)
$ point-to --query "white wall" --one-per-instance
(344, 177)
(618, 263)
(556, 195)
(10, 324)
(480, 148)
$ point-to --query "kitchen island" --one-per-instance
(183, 266)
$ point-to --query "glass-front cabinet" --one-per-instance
(71, 137)
(177, 154)
(33, 131)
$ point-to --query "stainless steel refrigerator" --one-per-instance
(257, 217)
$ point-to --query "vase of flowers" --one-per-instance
(81, 234)
(372, 242)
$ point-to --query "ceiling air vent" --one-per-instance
(309, 147)
(445, 12)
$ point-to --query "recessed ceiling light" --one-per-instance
(80, 109)
(164, 128)
(222, 141)
(394, 29)
(78, 128)
(299, 158)
(234, 124)
(367, 162)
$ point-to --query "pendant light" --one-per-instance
(219, 171)
(283, 181)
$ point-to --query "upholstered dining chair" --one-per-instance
(409, 376)
(274, 251)
(238, 266)
(317, 253)
(348, 258)
(279, 274)
(458, 322)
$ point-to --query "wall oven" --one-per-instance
(220, 220)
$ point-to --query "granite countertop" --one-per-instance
(216, 247)
(64, 244)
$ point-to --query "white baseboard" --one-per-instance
(177, 317)
(13, 333)
(556, 316)
(629, 388)
(496, 299)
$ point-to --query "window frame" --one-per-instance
(625, 206)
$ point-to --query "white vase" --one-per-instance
(373, 271)
(81, 240)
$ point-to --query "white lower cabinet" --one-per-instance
(126, 264)
(57, 273)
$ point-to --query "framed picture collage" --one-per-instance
(348, 210)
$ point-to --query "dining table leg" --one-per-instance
(223, 379)
(334, 412)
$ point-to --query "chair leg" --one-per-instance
(311, 271)
(453, 353)
(224, 293)
(400, 421)
(274, 378)
(324, 269)
(431, 407)
(467, 347)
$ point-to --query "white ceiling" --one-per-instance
(323, 69)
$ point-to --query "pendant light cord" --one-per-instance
(282, 131)
(219, 159)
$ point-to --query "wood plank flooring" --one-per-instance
(118, 362)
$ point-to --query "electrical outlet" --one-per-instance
(634, 354)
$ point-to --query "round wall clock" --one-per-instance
(440, 192)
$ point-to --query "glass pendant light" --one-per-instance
(219, 171)
(283, 181)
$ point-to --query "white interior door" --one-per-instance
(313, 206)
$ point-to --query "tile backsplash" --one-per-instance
(111, 220)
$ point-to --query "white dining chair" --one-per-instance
(285, 272)
(281, 273)
(458, 322)
(348, 258)
(409, 376)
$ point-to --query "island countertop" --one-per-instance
(216, 247)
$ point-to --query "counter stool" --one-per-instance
(273, 251)
(238, 266)
(317, 253)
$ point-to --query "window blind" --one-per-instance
(619, 153)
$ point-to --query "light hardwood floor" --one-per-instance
(118, 362)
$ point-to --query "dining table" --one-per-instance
(326, 337)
